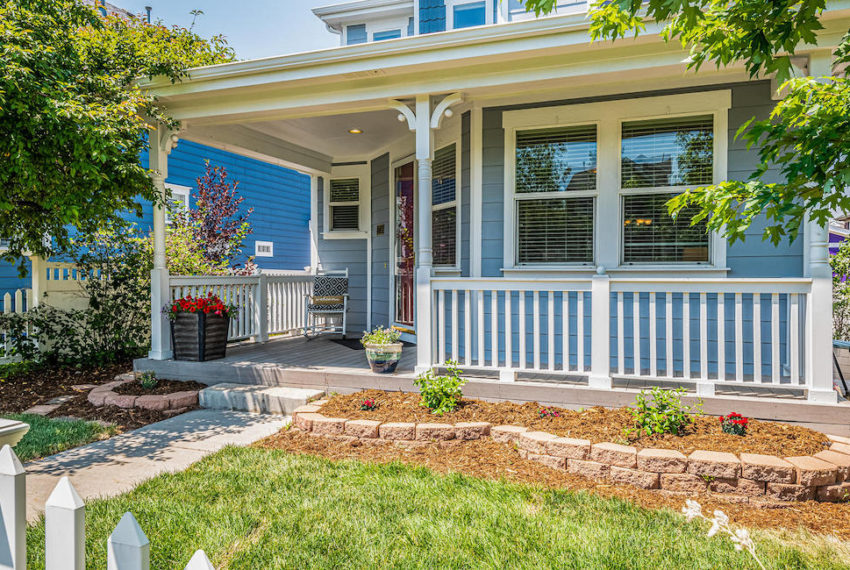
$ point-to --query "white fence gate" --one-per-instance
(20, 302)
(65, 533)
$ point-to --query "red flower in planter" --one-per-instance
(204, 304)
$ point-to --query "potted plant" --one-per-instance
(199, 327)
(383, 349)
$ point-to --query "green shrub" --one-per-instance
(148, 380)
(663, 413)
(441, 394)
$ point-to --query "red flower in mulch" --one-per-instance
(734, 424)
(368, 405)
(548, 413)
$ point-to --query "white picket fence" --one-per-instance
(65, 532)
(20, 302)
(267, 304)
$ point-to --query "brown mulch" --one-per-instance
(162, 387)
(39, 385)
(123, 419)
(595, 424)
(490, 460)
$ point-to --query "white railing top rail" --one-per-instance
(710, 285)
(183, 280)
(503, 284)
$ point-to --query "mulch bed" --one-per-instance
(162, 387)
(123, 419)
(39, 385)
(490, 460)
(595, 424)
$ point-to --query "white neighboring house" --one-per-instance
(496, 187)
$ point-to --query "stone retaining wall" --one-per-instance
(745, 478)
(104, 395)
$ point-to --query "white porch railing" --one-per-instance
(65, 529)
(705, 331)
(266, 304)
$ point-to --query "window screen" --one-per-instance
(345, 204)
(668, 152)
(651, 235)
(555, 230)
(444, 202)
(556, 160)
(355, 34)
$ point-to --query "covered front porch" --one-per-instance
(414, 150)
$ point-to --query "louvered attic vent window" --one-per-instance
(345, 205)
(444, 206)
(555, 195)
(661, 158)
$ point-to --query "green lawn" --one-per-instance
(48, 436)
(253, 509)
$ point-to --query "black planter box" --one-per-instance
(199, 336)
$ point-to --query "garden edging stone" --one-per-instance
(749, 478)
(105, 395)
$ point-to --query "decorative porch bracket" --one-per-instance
(422, 119)
(162, 141)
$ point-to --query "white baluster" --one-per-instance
(455, 330)
(653, 337)
(481, 348)
(775, 368)
(494, 329)
(535, 300)
(551, 329)
(467, 327)
(686, 335)
(757, 338)
(621, 341)
(739, 337)
(668, 334)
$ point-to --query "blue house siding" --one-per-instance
(432, 16)
(465, 189)
(381, 257)
(338, 254)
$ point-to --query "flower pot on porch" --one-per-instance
(383, 358)
(199, 336)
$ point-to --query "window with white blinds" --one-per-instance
(444, 206)
(555, 189)
(663, 154)
(668, 152)
(344, 204)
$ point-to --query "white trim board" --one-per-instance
(608, 117)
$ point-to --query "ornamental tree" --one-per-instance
(807, 134)
(72, 119)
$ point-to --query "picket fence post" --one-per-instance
(199, 561)
(13, 511)
(127, 547)
(65, 529)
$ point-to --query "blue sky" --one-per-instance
(254, 28)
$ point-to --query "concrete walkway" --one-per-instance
(116, 465)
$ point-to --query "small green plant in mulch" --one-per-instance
(441, 394)
(148, 380)
(734, 424)
(662, 411)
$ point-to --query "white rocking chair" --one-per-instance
(326, 309)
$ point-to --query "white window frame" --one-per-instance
(177, 190)
(609, 117)
(259, 243)
(489, 14)
(361, 172)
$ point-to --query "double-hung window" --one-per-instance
(178, 202)
(444, 218)
(555, 195)
(344, 205)
(658, 160)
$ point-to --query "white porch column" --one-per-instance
(424, 255)
(161, 143)
(819, 310)
(819, 319)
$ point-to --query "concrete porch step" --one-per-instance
(280, 400)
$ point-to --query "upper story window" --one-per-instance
(178, 200)
(659, 159)
(465, 14)
(356, 34)
(386, 35)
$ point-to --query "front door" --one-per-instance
(405, 248)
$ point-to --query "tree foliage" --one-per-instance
(73, 119)
(806, 134)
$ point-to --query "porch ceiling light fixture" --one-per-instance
(355, 131)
